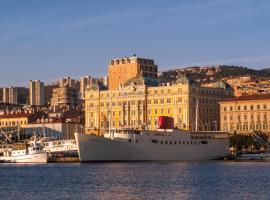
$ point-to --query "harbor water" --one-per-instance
(143, 180)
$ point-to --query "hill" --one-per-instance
(210, 74)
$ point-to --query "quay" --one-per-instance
(63, 159)
(249, 157)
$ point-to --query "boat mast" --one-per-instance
(18, 132)
(197, 115)
(43, 130)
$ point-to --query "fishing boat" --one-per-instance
(32, 152)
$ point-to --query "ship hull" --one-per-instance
(29, 158)
(96, 148)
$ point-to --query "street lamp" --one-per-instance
(206, 125)
(215, 125)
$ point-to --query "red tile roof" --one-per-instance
(248, 98)
(15, 115)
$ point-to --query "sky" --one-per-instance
(50, 39)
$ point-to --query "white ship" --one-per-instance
(160, 145)
(67, 147)
(31, 153)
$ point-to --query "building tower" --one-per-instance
(86, 81)
(68, 82)
(5, 95)
(36, 91)
(10, 95)
(13, 95)
(66, 94)
(123, 69)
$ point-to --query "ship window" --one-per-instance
(170, 142)
(161, 142)
(175, 142)
(166, 142)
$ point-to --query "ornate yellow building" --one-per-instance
(137, 105)
(245, 113)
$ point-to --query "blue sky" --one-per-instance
(49, 39)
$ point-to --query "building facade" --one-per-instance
(61, 126)
(122, 69)
(57, 128)
(245, 114)
(138, 106)
(36, 93)
(19, 119)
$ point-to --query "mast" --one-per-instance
(110, 110)
(99, 113)
(197, 116)
(43, 131)
(18, 132)
(6, 136)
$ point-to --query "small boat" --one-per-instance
(25, 153)
(257, 156)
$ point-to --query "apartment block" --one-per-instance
(68, 82)
(36, 91)
(10, 95)
(64, 97)
(122, 69)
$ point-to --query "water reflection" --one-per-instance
(180, 180)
